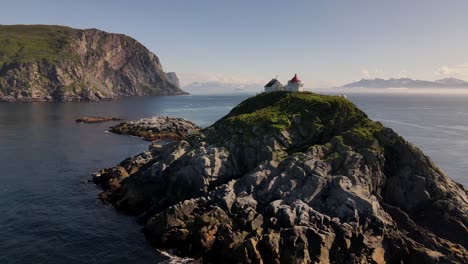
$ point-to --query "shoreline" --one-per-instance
(3, 99)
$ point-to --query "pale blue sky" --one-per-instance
(326, 42)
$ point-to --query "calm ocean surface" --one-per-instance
(50, 214)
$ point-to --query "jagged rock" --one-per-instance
(55, 63)
(335, 187)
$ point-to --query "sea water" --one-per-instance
(49, 213)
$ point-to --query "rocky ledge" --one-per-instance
(157, 128)
(96, 119)
(293, 178)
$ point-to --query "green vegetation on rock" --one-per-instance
(56, 63)
(276, 110)
(317, 118)
(34, 43)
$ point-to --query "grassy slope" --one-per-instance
(33, 43)
(275, 111)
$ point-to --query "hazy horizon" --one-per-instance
(204, 88)
(343, 90)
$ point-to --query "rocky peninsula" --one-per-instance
(56, 63)
(293, 178)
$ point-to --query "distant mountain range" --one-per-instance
(221, 87)
(408, 83)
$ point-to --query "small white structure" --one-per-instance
(295, 85)
(273, 86)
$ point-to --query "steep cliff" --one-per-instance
(39, 63)
(172, 76)
(293, 178)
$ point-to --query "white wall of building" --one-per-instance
(294, 87)
(291, 86)
(275, 87)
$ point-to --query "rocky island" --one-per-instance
(56, 63)
(293, 178)
(96, 119)
(157, 128)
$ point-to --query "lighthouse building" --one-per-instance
(294, 85)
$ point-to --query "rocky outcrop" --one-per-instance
(172, 76)
(96, 119)
(293, 178)
(53, 63)
(157, 128)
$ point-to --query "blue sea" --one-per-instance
(49, 213)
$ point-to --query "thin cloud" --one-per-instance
(365, 73)
(403, 74)
(457, 70)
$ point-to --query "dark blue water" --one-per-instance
(50, 214)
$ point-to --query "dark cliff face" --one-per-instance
(294, 178)
(64, 64)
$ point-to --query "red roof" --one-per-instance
(295, 79)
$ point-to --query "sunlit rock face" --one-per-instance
(53, 63)
(293, 178)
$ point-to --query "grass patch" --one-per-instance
(75, 86)
(363, 136)
(275, 111)
(316, 118)
(34, 43)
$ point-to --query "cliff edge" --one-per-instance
(56, 63)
